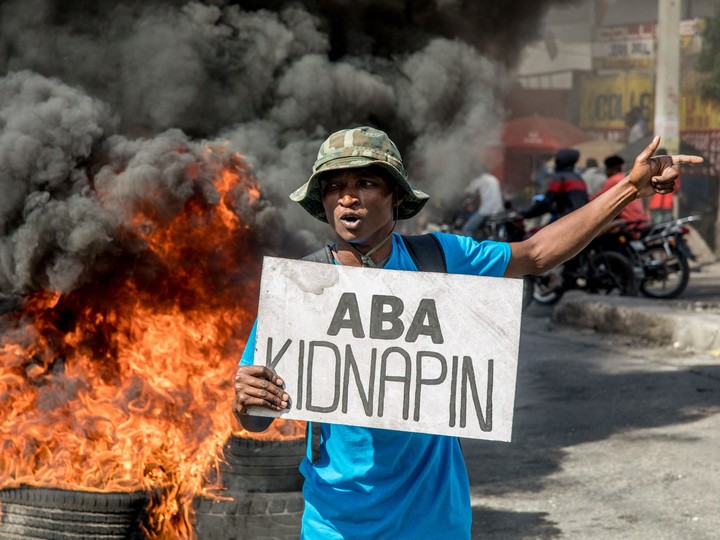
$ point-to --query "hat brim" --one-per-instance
(309, 195)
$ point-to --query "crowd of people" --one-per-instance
(567, 187)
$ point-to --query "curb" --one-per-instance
(661, 322)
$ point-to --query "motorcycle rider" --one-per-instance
(565, 192)
(486, 190)
(593, 175)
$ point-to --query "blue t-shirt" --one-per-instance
(377, 483)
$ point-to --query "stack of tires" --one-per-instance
(263, 480)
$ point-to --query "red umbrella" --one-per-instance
(540, 134)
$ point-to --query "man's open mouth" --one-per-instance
(350, 220)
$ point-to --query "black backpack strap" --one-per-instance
(426, 252)
(312, 434)
(322, 255)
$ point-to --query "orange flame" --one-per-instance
(126, 385)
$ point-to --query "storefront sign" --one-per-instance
(624, 47)
(633, 46)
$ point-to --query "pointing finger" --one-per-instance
(682, 158)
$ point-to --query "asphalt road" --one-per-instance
(613, 437)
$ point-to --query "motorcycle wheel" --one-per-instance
(611, 272)
(543, 292)
(666, 275)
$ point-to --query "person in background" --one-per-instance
(566, 190)
(485, 189)
(634, 213)
(637, 125)
(379, 483)
(593, 175)
(661, 205)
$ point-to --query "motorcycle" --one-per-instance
(502, 227)
(595, 270)
(506, 226)
(659, 254)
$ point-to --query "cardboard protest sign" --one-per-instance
(412, 351)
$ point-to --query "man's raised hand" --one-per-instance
(657, 174)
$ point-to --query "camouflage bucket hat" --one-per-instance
(351, 149)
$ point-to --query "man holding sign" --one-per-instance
(365, 482)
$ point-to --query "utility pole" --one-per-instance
(667, 75)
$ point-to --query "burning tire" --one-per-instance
(263, 479)
(59, 514)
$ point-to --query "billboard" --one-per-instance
(606, 100)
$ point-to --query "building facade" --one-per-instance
(600, 57)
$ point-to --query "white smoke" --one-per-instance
(450, 101)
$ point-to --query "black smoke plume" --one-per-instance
(99, 95)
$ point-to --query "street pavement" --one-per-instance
(617, 423)
(689, 322)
